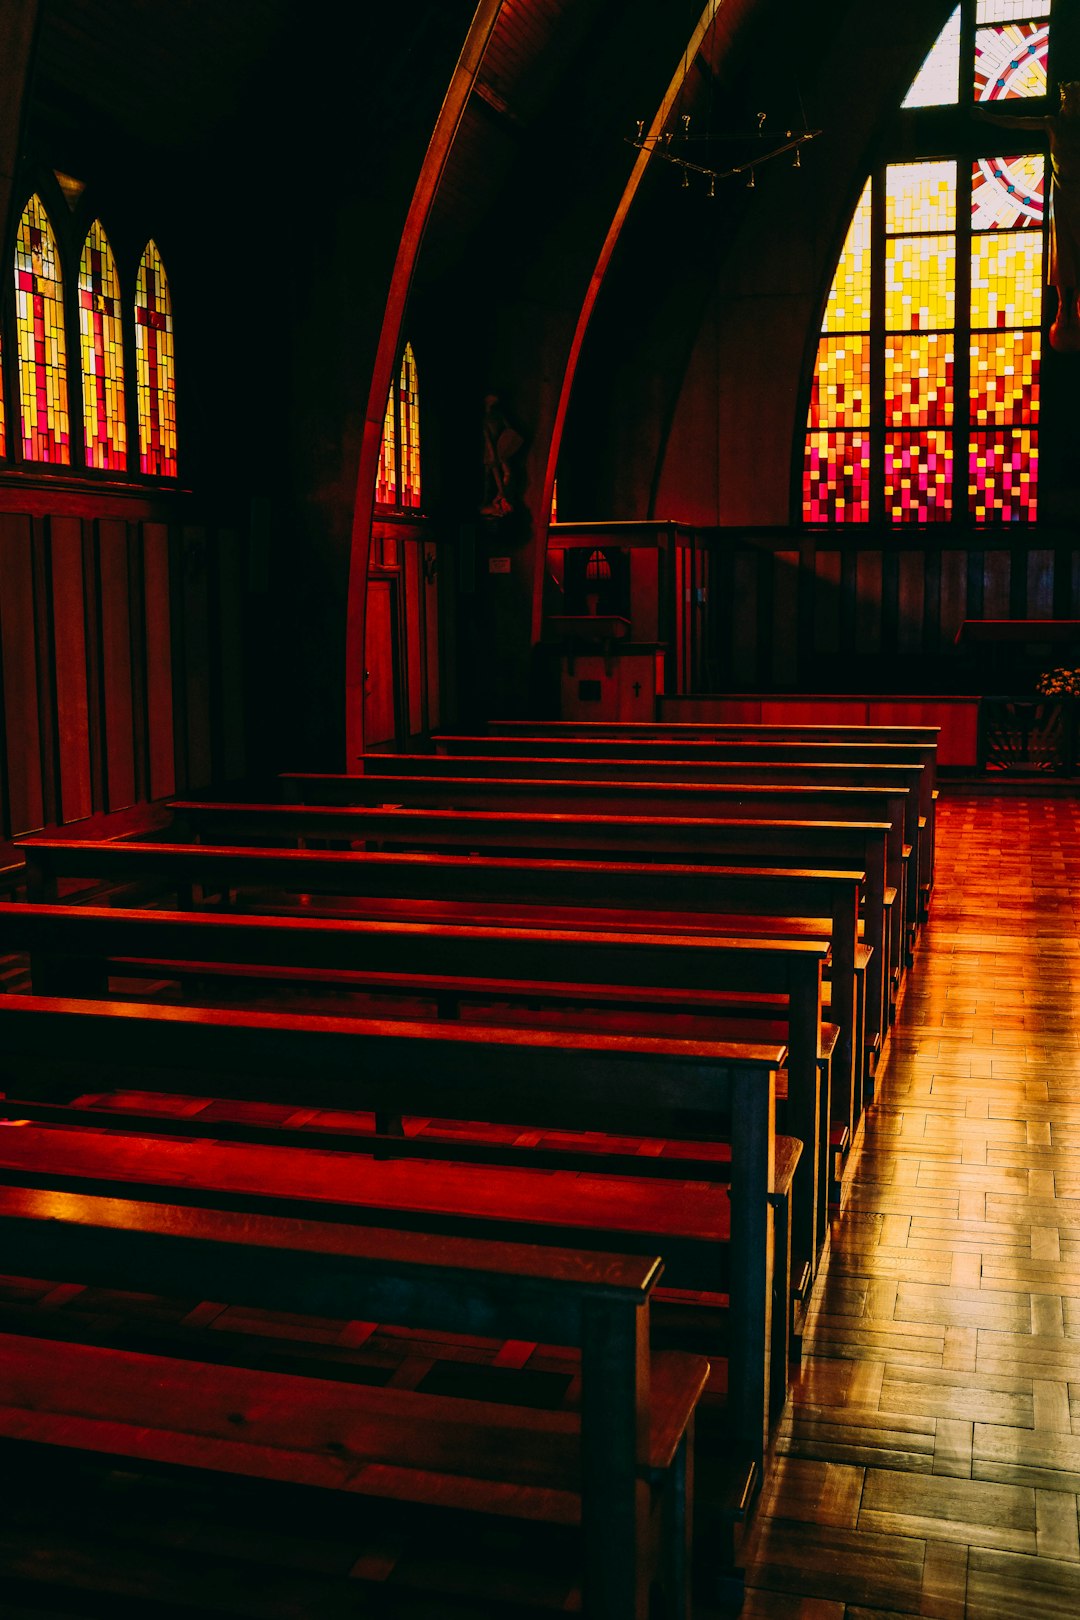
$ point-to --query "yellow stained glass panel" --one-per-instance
(409, 390)
(920, 283)
(1006, 278)
(920, 197)
(1005, 377)
(155, 371)
(386, 483)
(848, 308)
(39, 322)
(840, 394)
(101, 345)
(919, 380)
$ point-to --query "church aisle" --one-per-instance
(930, 1464)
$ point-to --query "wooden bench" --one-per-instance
(600, 1469)
(800, 845)
(71, 949)
(575, 894)
(310, 788)
(767, 743)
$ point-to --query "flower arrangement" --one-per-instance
(1059, 683)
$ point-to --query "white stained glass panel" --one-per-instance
(988, 11)
(937, 83)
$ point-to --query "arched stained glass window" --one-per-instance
(39, 318)
(924, 405)
(398, 481)
(102, 348)
(154, 367)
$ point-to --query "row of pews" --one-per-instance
(474, 1124)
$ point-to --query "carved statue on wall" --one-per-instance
(1062, 130)
(501, 443)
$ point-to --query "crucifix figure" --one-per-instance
(1062, 130)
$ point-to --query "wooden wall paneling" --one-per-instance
(46, 669)
(434, 585)
(953, 600)
(157, 601)
(997, 574)
(849, 598)
(116, 665)
(380, 662)
(890, 601)
(94, 671)
(910, 602)
(1039, 596)
(229, 649)
(868, 602)
(69, 581)
(414, 656)
(137, 625)
(827, 589)
(744, 620)
(197, 656)
(18, 661)
(931, 601)
(976, 585)
(785, 605)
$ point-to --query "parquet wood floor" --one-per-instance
(930, 1461)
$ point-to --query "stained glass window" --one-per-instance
(3, 420)
(398, 479)
(101, 345)
(154, 367)
(39, 319)
(924, 398)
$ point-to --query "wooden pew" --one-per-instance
(802, 845)
(769, 744)
(636, 1409)
(72, 947)
(311, 788)
(561, 1081)
(570, 893)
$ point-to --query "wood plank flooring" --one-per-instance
(930, 1461)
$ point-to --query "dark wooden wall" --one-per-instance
(877, 613)
(121, 662)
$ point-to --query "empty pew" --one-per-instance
(767, 743)
(311, 788)
(72, 948)
(801, 845)
(601, 1469)
(565, 1082)
(566, 894)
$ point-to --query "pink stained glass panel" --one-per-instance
(919, 380)
(840, 394)
(1003, 476)
(1010, 60)
(918, 477)
(836, 478)
(1005, 378)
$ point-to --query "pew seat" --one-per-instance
(626, 1451)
